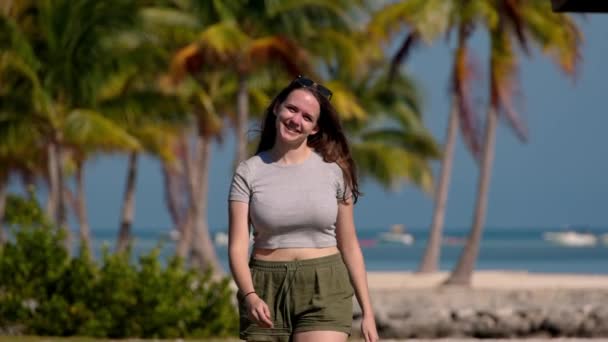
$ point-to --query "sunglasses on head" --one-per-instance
(308, 83)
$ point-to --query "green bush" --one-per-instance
(48, 292)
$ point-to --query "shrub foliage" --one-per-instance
(47, 292)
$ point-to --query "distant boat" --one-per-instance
(605, 239)
(571, 238)
(397, 235)
(220, 239)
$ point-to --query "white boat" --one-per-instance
(571, 238)
(397, 235)
(220, 239)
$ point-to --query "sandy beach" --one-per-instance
(489, 280)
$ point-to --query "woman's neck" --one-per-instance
(288, 155)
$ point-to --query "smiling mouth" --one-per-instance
(291, 129)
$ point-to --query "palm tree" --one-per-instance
(135, 98)
(176, 25)
(426, 21)
(64, 58)
(461, 104)
(206, 101)
(510, 23)
(88, 132)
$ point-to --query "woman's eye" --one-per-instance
(291, 109)
(308, 118)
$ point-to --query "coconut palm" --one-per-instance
(135, 97)
(426, 21)
(176, 25)
(512, 23)
(65, 60)
(461, 77)
(153, 120)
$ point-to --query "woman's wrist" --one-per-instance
(247, 294)
(367, 312)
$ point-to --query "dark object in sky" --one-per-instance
(597, 6)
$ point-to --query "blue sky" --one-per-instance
(559, 177)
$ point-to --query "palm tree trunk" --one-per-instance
(61, 214)
(172, 194)
(128, 205)
(51, 204)
(184, 243)
(202, 246)
(242, 119)
(430, 261)
(62, 218)
(463, 272)
(3, 186)
(81, 209)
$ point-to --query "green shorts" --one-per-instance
(302, 295)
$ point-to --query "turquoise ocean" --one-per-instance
(515, 249)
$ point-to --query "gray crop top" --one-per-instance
(290, 205)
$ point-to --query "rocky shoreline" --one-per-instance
(488, 313)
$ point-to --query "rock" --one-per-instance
(509, 323)
(498, 313)
(562, 322)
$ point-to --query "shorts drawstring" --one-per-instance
(284, 293)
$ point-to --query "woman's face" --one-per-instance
(297, 117)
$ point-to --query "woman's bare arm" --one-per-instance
(238, 253)
(238, 245)
(353, 258)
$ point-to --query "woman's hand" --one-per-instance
(258, 311)
(368, 328)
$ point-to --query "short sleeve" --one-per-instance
(343, 191)
(240, 189)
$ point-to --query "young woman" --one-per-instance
(298, 193)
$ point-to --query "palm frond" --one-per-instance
(169, 17)
(137, 108)
(463, 74)
(217, 44)
(18, 137)
(556, 34)
(391, 166)
(420, 144)
(429, 18)
(503, 64)
(85, 127)
(346, 102)
(278, 49)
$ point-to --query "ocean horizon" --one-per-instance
(514, 249)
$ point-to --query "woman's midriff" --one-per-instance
(291, 254)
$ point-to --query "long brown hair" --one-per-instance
(330, 141)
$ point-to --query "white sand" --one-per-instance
(490, 280)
